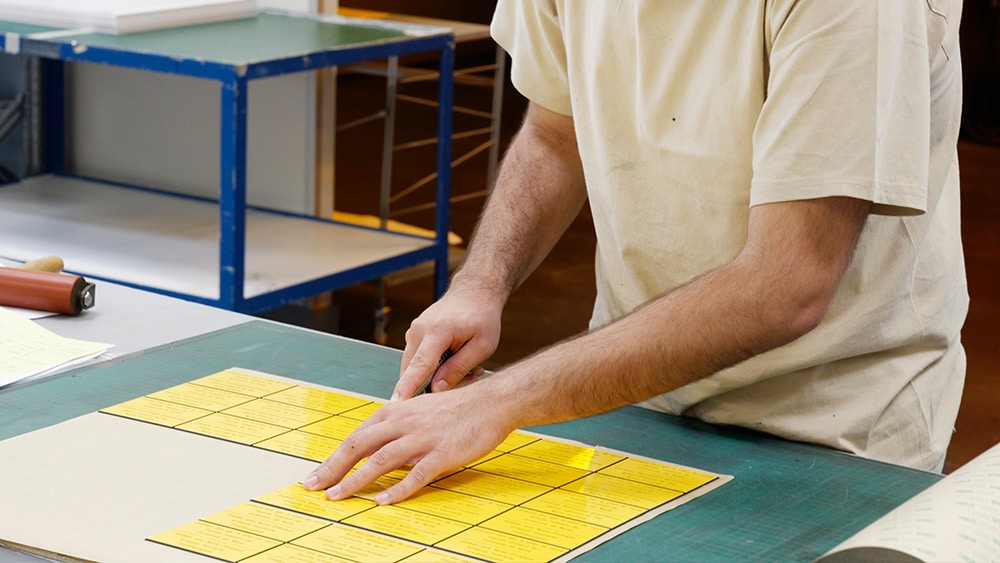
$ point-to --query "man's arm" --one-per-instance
(539, 191)
(776, 290)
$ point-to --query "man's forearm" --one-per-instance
(777, 290)
(672, 341)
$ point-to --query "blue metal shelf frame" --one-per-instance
(56, 49)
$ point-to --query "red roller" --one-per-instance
(45, 291)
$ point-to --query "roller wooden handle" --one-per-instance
(45, 264)
(45, 291)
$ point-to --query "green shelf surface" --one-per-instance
(265, 37)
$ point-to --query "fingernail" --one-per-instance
(381, 498)
(395, 396)
(333, 493)
(439, 386)
(311, 482)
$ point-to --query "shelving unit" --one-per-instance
(219, 252)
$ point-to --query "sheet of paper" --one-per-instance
(30, 313)
(535, 498)
(26, 313)
(124, 16)
(97, 486)
(956, 519)
(29, 351)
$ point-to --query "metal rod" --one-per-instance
(499, 78)
(33, 139)
(388, 138)
(441, 220)
(361, 121)
(431, 204)
(433, 140)
(433, 104)
(428, 178)
(10, 115)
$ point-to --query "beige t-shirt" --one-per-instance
(689, 112)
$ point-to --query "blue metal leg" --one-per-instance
(233, 193)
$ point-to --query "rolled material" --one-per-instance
(45, 291)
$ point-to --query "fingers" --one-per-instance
(420, 359)
(335, 474)
(415, 480)
(431, 433)
(451, 369)
(382, 462)
(360, 444)
(467, 325)
(461, 364)
(385, 460)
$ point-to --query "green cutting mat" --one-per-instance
(788, 501)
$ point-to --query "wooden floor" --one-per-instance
(555, 303)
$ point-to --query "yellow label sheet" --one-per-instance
(516, 440)
(580, 457)
(487, 485)
(407, 524)
(653, 473)
(362, 412)
(202, 397)
(243, 383)
(544, 527)
(290, 553)
(458, 506)
(534, 498)
(531, 470)
(295, 497)
(318, 399)
(214, 540)
(267, 521)
(622, 490)
(357, 545)
(435, 556)
(300, 444)
(491, 545)
(279, 414)
(586, 508)
(338, 427)
(233, 428)
(156, 411)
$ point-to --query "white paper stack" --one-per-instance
(123, 16)
(28, 351)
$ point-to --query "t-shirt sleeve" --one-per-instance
(530, 32)
(847, 110)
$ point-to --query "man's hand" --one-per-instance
(539, 191)
(433, 433)
(467, 323)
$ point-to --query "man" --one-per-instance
(774, 186)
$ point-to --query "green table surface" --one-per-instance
(787, 502)
(265, 37)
